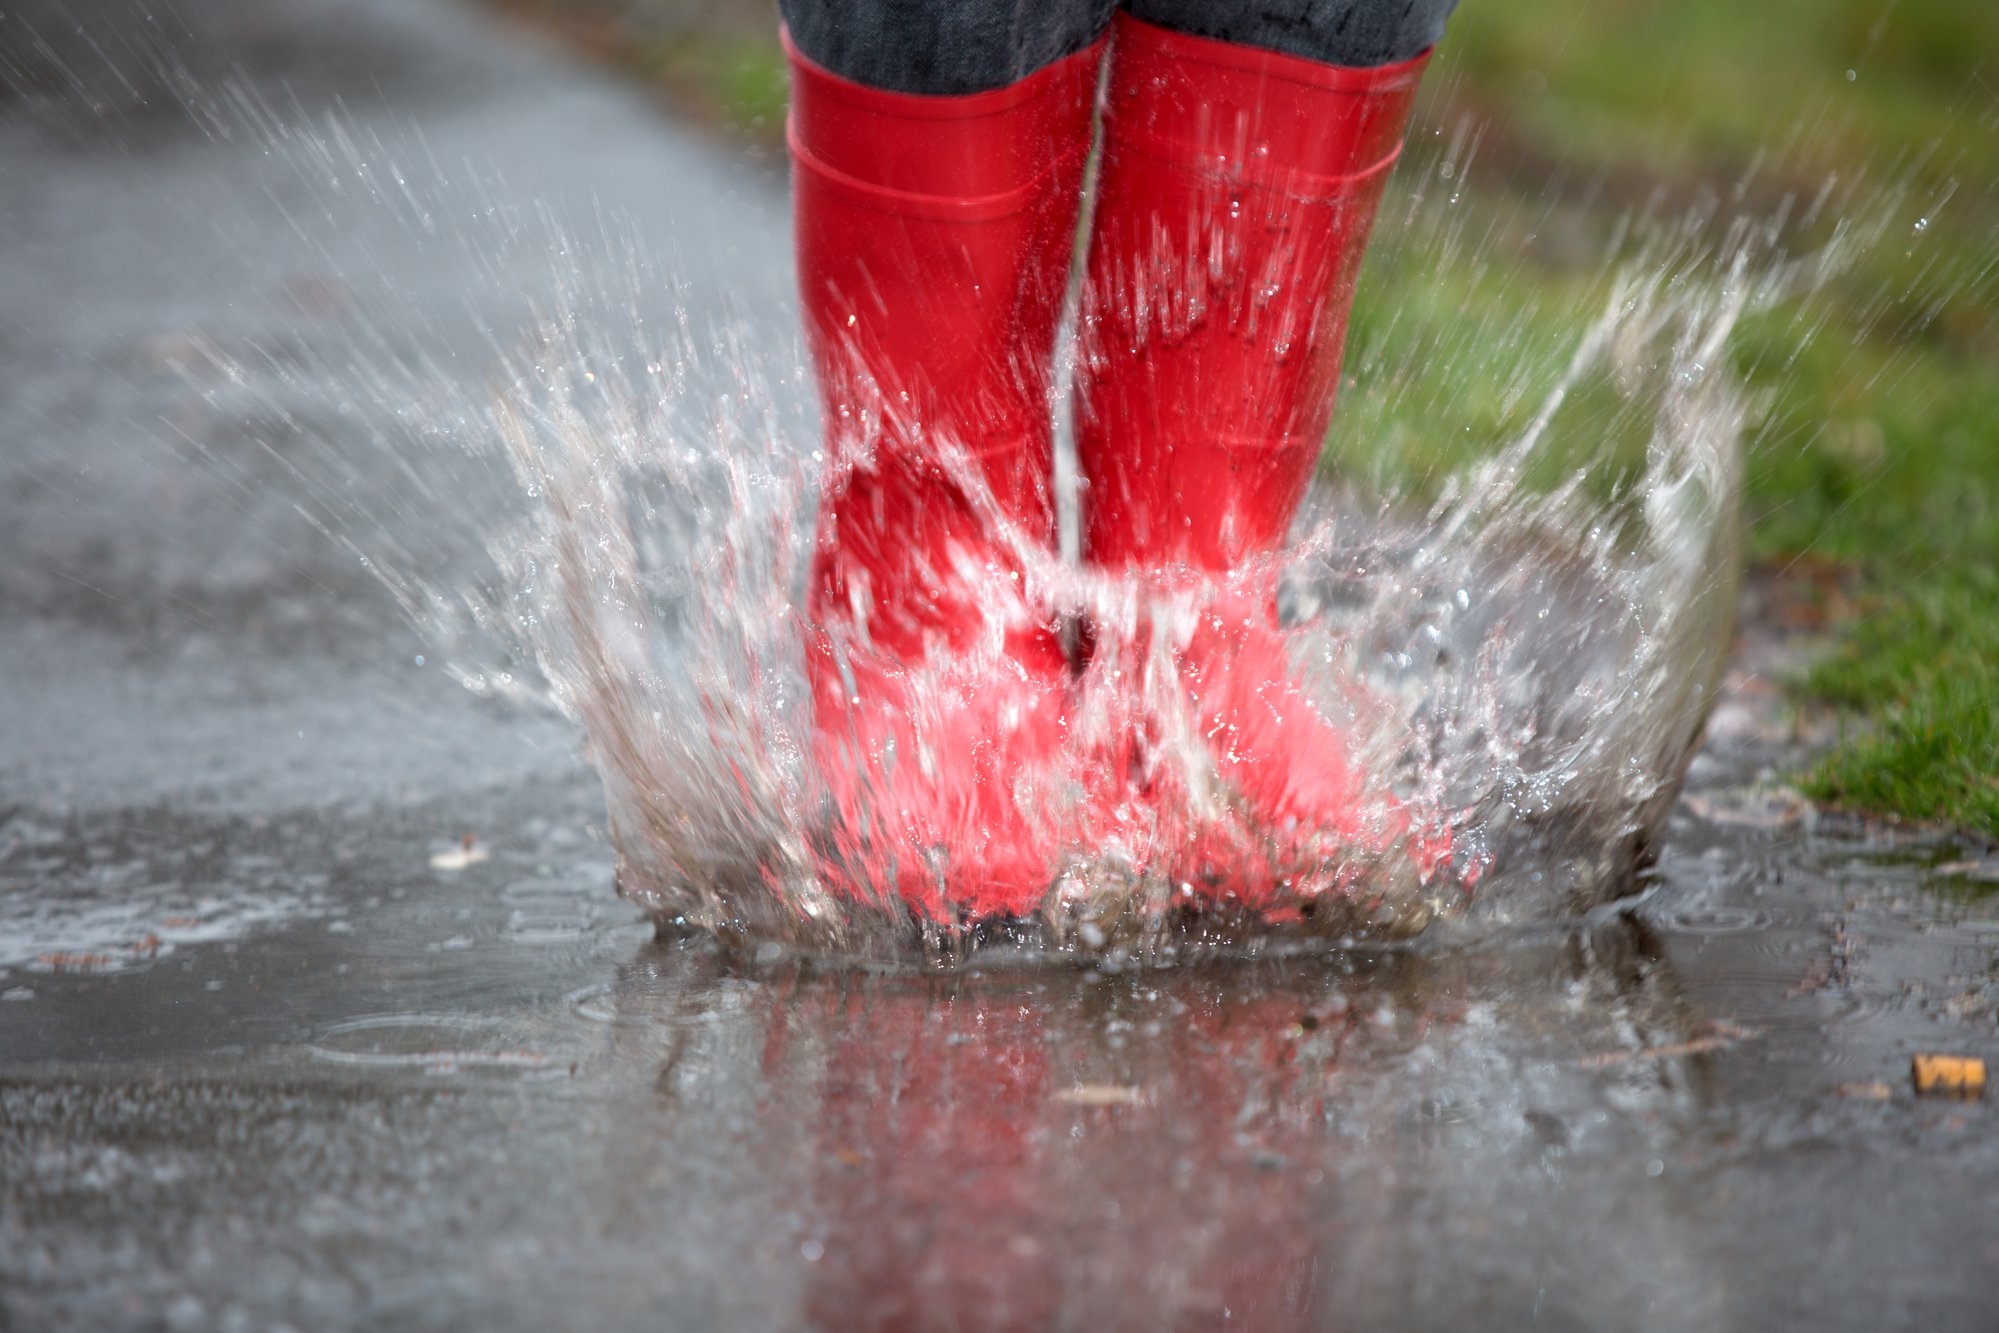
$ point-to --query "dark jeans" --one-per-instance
(970, 46)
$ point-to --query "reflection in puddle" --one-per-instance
(1660, 1119)
(1275, 1143)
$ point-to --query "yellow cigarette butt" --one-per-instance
(1962, 1074)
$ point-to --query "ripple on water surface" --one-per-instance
(434, 1044)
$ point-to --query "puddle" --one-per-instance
(122, 898)
(1659, 1118)
(434, 1044)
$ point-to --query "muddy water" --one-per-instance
(438, 1095)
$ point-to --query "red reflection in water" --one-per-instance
(975, 1137)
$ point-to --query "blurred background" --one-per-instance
(1873, 475)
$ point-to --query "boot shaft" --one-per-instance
(933, 242)
(1235, 196)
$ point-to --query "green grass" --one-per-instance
(1924, 667)
(1878, 452)
(1680, 85)
(1450, 358)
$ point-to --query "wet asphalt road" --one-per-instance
(268, 1059)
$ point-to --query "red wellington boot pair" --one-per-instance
(934, 241)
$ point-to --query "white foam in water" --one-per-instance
(1525, 670)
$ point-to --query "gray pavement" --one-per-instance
(174, 617)
(274, 1052)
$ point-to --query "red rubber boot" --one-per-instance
(934, 236)
(1236, 193)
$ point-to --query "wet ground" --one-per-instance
(278, 1049)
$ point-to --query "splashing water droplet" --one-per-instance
(1517, 671)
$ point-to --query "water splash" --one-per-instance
(1523, 671)
(618, 521)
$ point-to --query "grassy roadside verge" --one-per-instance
(1873, 480)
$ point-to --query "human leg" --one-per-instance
(941, 50)
(1348, 33)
